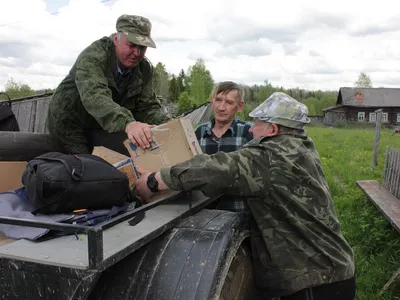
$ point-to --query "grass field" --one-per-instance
(346, 155)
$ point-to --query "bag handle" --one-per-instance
(75, 170)
(73, 166)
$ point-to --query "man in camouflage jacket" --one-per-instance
(298, 248)
(108, 90)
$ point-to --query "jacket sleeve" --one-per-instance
(95, 94)
(233, 173)
(148, 108)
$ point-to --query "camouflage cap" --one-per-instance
(283, 110)
(137, 29)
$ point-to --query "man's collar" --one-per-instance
(119, 70)
(211, 124)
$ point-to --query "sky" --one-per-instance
(305, 43)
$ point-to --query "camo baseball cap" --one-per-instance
(137, 30)
(283, 110)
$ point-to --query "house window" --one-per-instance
(361, 116)
(384, 117)
(398, 118)
(372, 117)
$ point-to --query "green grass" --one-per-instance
(346, 155)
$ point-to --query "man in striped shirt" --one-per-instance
(225, 131)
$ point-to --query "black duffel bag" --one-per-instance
(8, 121)
(60, 183)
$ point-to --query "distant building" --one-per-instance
(358, 105)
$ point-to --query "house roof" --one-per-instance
(372, 97)
(332, 107)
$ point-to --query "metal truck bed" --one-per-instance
(101, 246)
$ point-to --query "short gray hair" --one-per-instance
(227, 86)
(119, 35)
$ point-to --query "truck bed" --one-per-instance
(118, 241)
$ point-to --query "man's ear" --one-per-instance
(240, 106)
(275, 129)
(115, 38)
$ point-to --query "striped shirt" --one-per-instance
(236, 136)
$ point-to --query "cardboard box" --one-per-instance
(173, 142)
(11, 175)
(121, 162)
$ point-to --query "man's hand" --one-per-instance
(139, 134)
(141, 185)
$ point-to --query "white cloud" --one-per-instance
(315, 45)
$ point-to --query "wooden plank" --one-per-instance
(67, 251)
(41, 115)
(384, 200)
(397, 170)
(391, 171)
(15, 108)
(32, 119)
(374, 162)
(24, 116)
(385, 168)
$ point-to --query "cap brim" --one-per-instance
(140, 40)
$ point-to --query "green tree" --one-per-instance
(184, 103)
(199, 82)
(363, 81)
(181, 80)
(174, 89)
(161, 81)
(17, 89)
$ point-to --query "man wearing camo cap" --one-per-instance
(108, 94)
(298, 248)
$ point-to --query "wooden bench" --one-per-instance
(386, 195)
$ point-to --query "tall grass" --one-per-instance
(346, 155)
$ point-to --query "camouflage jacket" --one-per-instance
(300, 244)
(94, 95)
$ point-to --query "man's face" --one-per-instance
(128, 54)
(225, 106)
(262, 129)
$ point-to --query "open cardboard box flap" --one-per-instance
(11, 174)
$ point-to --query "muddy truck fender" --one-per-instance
(206, 256)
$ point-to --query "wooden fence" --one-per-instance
(31, 113)
(391, 172)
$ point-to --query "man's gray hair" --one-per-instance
(119, 35)
(227, 86)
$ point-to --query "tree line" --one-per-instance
(191, 88)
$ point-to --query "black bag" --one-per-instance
(8, 121)
(59, 183)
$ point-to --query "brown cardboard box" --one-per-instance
(173, 142)
(118, 160)
(11, 174)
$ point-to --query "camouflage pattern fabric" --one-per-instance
(137, 30)
(297, 242)
(94, 96)
(283, 110)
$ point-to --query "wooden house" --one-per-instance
(359, 105)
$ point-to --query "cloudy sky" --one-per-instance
(306, 43)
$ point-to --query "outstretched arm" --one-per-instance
(233, 173)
